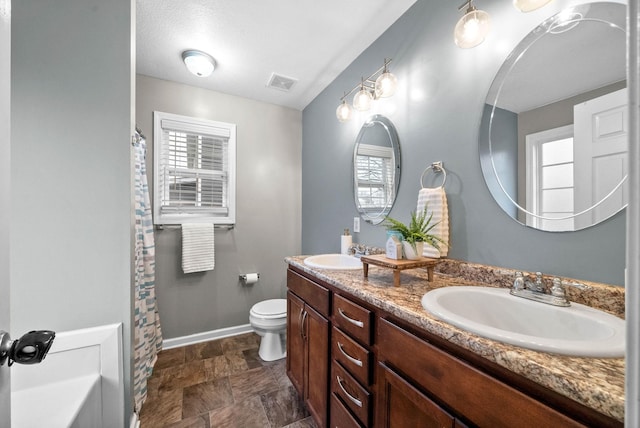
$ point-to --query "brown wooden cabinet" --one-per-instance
(356, 365)
(296, 346)
(351, 352)
(472, 395)
(402, 405)
(308, 345)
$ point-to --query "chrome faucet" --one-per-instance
(536, 286)
(359, 250)
(535, 290)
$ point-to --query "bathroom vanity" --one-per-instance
(365, 353)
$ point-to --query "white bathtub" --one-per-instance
(79, 383)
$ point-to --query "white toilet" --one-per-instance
(269, 319)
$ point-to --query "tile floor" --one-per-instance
(222, 383)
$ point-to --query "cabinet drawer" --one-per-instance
(313, 294)
(353, 319)
(482, 400)
(407, 407)
(353, 357)
(352, 394)
(340, 416)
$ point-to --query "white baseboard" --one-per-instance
(206, 336)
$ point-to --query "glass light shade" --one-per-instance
(529, 5)
(343, 112)
(362, 100)
(472, 28)
(386, 85)
(198, 63)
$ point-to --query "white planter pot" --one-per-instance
(410, 253)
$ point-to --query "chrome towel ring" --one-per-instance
(436, 167)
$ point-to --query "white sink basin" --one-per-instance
(333, 261)
(493, 313)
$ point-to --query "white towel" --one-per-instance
(198, 253)
(436, 201)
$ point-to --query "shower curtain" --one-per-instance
(147, 331)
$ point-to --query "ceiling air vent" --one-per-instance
(282, 83)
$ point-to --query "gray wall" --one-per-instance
(5, 182)
(70, 167)
(267, 215)
(504, 128)
(437, 112)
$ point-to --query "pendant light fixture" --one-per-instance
(529, 5)
(362, 99)
(472, 28)
(381, 84)
(343, 112)
(199, 63)
(386, 83)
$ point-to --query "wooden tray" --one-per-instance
(398, 265)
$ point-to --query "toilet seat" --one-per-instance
(270, 309)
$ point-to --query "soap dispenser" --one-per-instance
(345, 242)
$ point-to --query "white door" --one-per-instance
(5, 105)
(601, 126)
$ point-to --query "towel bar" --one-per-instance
(177, 226)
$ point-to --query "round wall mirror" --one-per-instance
(553, 137)
(376, 169)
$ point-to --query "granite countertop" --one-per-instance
(597, 383)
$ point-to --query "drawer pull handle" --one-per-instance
(304, 327)
(351, 320)
(349, 357)
(300, 322)
(351, 397)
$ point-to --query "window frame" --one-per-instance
(534, 189)
(387, 156)
(194, 126)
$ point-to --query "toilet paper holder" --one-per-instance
(243, 277)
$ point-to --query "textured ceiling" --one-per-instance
(311, 41)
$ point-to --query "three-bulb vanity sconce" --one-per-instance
(474, 26)
(380, 84)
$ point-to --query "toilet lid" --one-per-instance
(270, 308)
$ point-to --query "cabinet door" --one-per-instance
(340, 416)
(295, 342)
(402, 405)
(316, 329)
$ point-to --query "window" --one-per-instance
(550, 184)
(374, 177)
(194, 174)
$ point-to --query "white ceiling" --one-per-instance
(311, 41)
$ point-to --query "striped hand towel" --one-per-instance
(436, 201)
(198, 253)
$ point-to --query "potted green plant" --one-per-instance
(415, 234)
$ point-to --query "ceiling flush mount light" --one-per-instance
(199, 63)
(380, 84)
(529, 5)
(472, 28)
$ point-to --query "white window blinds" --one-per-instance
(194, 170)
(374, 176)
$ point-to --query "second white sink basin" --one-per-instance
(333, 261)
(578, 330)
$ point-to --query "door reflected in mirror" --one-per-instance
(376, 169)
(553, 137)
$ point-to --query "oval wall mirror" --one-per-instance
(553, 136)
(376, 169)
